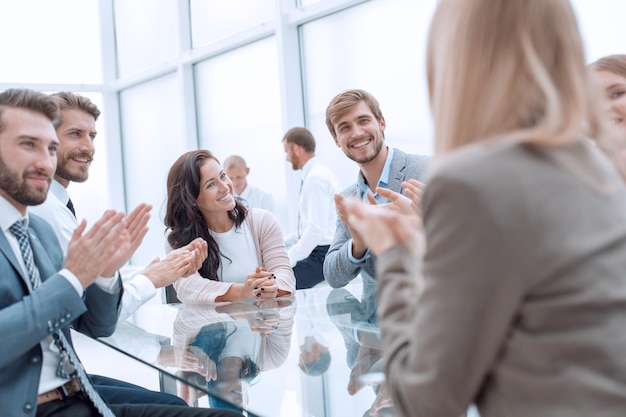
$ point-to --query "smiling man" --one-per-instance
(357, 125)
(76, 131)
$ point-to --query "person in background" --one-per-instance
(609, 74)
(357, 125)
(237, 170)
(76, 132)
(316, 209)
(45, 292)
(512, 299)
(247, 259)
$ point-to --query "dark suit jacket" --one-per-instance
(26, 319)
(339, 270)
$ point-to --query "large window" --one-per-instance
(231, 76)
(151, 130)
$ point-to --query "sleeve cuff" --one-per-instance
(68, 275)
(354, 260)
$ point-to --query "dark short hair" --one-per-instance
(346, 101)
(23, 98)
(68, 101)
(301, 137)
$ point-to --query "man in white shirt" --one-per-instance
(44, 293)
(317, 214)
(237, 170)
(76, 131)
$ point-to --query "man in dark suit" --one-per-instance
(41, 295)
(357, 125)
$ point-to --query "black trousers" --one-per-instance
(114, 391)
(79, 406)
(310, 270)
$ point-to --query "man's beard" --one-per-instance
(73, 176)
(367, 159)
(18, 189)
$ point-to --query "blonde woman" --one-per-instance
(516, 301)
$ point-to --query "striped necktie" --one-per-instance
(69, 365)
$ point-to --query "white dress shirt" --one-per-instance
(317, 215)
(137, 290)
(257, 198)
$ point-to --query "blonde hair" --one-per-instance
(508, 69)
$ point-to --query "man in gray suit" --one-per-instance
(41, 294)
(357, 125)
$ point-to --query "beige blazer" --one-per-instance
(523, 307)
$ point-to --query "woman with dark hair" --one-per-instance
(247, 257)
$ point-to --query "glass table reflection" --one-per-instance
(314, 354)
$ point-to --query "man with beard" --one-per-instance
(76, 131)
(357, 125)
(43, 294)
(317, 214)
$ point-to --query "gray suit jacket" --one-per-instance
(339, 270)
(26, 319)
(523, 302)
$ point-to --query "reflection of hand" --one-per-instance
(366, 358)
(382, 401)
(136, 226)
(385, 225)
(264, 321)
(191, 359)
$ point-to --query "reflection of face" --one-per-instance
(216, 190)
(613, 97)
(359, 134)
(292, 155)
(28, 159)
(237, 175)
(76, 135)
(228, 383)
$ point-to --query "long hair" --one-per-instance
(182, 216)
(508, 69)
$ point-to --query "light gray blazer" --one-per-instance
(523, 307)
(338, 269)
(26, 319)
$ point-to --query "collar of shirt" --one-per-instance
(59, 191)
(383, 181)
(9, 215)
(308, 166)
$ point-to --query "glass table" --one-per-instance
(314, 354)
